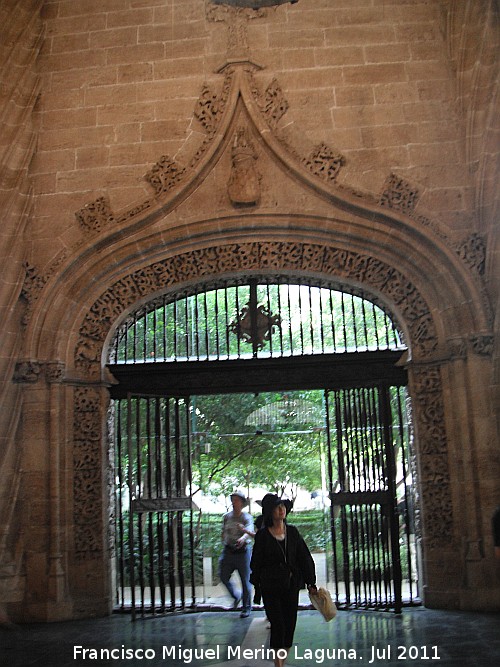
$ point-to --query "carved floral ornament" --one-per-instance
(239, 258)
(324, 162)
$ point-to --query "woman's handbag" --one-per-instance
(322, 601)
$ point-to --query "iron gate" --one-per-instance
(278, 336)
(155, 515)
(370, 491)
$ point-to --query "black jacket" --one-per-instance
(268, 554)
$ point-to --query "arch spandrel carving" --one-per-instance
(240, 104)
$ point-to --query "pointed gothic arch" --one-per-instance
(378, 244)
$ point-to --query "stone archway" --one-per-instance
(380, 244)
(238, 258)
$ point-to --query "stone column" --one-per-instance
(57, 597)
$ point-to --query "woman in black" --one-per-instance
(281, 565)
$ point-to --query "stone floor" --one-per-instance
(416, 637)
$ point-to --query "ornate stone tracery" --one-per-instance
(95, 216)
(165, 175)
(274, 104)
(399, 195)
(473, 251)
(87, 473)
(324, 162)
(241, 257)
(428, 408)
(208, 110)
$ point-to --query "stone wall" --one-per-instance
(112, 103)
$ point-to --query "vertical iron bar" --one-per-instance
(384, 538)
(408, 504)
(226, 311)
(280, 328)
(369, 473)
(269, 320)
(131, 536)
(125, 345)
(178, 493)
(164, 327)
(120, 529)
(155, 326)
(169, 493)
(354, 323)
(196, 325)
(159, 494)
(344, 323)
(150, 494)
(311, 326)
(321, 328)
(207, 331)
(174, 315)
(134, 346)
(253, 316)
(187, 329)
(360, 426)
(391, 476)
(139, 495)
(333, 531)
(365, 324)
(290, 320)
(332, 319)
(238, 341)
(301, 320)
(217, 331)
(189, 469)
(339, 395)
(375, 326)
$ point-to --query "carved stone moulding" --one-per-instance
(29, 371)
(399, 195)
(482, 344)
(324, 162)
(87, 473)
(435, 487)
(472, 251)
(238, 258)
(164, 175)
(95, 216)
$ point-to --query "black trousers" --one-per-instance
(281, 610)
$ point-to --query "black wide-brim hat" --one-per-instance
(271, 500)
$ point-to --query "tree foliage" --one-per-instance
(233, 454)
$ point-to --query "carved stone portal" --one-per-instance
(273, 256)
